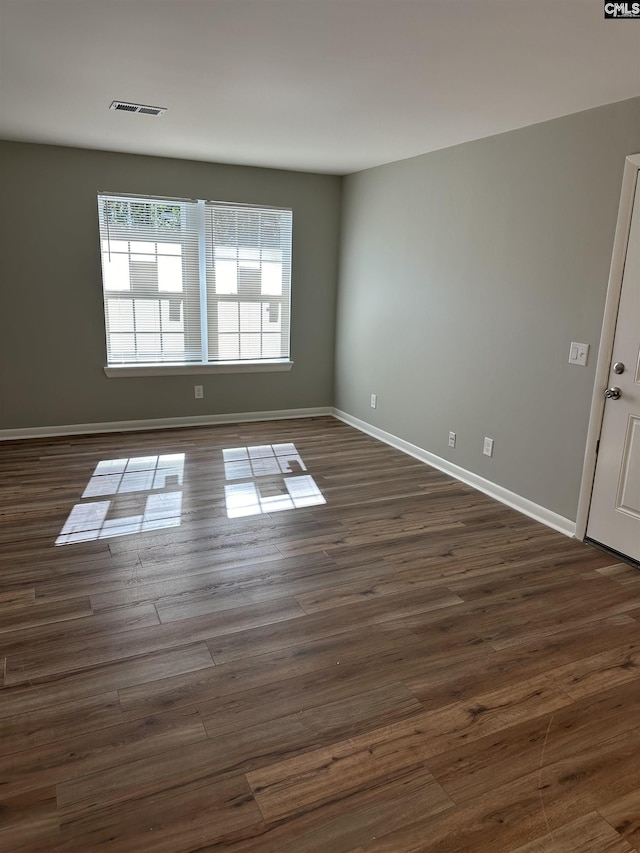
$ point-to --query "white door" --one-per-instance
(614, 517)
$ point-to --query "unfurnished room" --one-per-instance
(319, 426)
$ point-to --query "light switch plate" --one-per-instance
(578, 353)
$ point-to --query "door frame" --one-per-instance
(605, 351)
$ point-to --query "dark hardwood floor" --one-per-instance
(212, 640)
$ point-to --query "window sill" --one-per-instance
(277, 365)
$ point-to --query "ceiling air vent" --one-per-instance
(128, 107)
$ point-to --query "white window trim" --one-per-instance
(194, 368)
(123, 371)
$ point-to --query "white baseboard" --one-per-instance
(511, 499)
(162, 423)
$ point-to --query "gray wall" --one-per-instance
(52, 350)
(465, 275)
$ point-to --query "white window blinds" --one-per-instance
(188, 282)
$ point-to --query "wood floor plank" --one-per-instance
(52, 763)
(418, 551)
(248, 749)
(171, 822)
(529, 807)
(520, 575)
(118, 578)
(588, 834)
(353, 593)
(598, 610)
(36, 615)
(601, 671)
(376, 809)
(269, 578)
(622, 573)
(285, 787)
(23, 698)
(28, 820)
(325, 623)
(86, 629)
(298, 784)
(410, 666)
(37, 663)
(512, 619)
(342, 538)
(17, 598)
(28, 730)
(247, 674)
(372, 812)
(248, 707)
(185, 767)
(49, 566)
(252, 585)
(624, 816)
(455, 680)
(465, 772)
(287, 735)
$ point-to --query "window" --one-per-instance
(194, 283)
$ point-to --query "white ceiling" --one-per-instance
(321, 85)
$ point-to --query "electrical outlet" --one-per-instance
(374, 401)
(452, 439)
(488, 446)
(198, 392)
